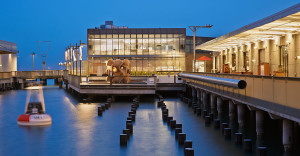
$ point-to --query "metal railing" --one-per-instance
(38, 74)
(103, 80)
(5, 75)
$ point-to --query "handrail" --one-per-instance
(241, 84)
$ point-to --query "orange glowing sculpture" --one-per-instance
(118, 71)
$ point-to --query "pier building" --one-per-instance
(268, 47)
(8, 56)
(265, 54)
(149, 49)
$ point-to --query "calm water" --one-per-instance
(77, 130)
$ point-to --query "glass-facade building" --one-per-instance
(149, 50)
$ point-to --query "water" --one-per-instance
(77, 130)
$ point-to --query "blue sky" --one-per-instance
(66, 21)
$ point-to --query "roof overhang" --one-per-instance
(284, 22)
(8, 47)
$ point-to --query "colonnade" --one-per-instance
(238, 111)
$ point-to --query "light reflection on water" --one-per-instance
(77, 130)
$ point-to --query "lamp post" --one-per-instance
(60, 64)
(80, 55)
(65, 64)
(194, 29)
(33, 54)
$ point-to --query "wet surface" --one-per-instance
(77, 129)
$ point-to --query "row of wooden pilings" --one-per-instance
(104, 106)
(179, 135)
(210, 117)
(129, 122)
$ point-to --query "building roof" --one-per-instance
(138, 31)
(8, 47)
(279, 24)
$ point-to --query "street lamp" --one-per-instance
(33, 54)
(194, 29)
(80, 55)
(65, 64)
(60, 64)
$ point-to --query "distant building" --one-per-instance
(201, 66)
(149, 50)
(8, 56)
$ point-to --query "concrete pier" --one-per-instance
(232, 110)
(213, 103)
(259, 123)
(219, 106)
(241, 115)
(287, 134)
(205, 100)
(199, 96)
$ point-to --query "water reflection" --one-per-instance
(85, 125)
(77, 130)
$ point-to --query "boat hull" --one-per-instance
(34, 120)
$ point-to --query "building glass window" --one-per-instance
(97, 47)
(109, 46)
(139, 46)
(145, 46)
(121, 47)
(168, 51)
(127, 46)
(151, 47)
(157, 46)
(115, 46)
(103, 46)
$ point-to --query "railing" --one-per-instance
(74, 80)
(277, 90)
(142, 80)
(38, 73)
(78, 81)
(5, 75)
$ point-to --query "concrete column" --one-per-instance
(205, 100)
(259, 123)
(56, 81)
(44, 82)
(194, 94)
(232, 110)
(221, 61)
(214, 64)
(219, 106)
(241, 110)
(60, 83)
(287, 134)
(198, 94)
(21, 85)
(213, 102)
(189, 92)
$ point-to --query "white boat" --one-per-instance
(35, 109)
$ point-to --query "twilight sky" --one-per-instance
(66, 21)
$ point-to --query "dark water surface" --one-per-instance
(77, 130)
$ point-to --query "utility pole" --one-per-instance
(33, 60)
(194, 29)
